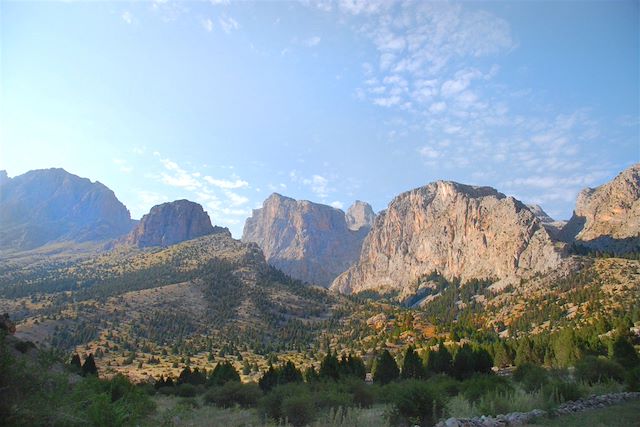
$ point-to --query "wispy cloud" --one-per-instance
(228, 24)
(318, 185)
(224, 205)
(226, 184)
(312, 41)
(207, 24)
(127, 17)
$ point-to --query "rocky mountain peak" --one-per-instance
(360, 214)
(608, 217)
(4, 177)
(541, 214)
(48, 205)
(309, 241)
(170, 223)
(455, 229)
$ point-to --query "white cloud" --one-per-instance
(228, 24)
(226, 184)
(337, 204)
(312, 41)
(319, 185)
(127, 17)
(207, 24)
(235, 199)
(429, 152)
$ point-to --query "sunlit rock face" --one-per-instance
(458, 230)
(308, 241)
(608, 217)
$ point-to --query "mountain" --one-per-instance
(171, 223)
(553, 227)
(308, 241)
(52, 205)
(209, 292)
(359, 215)
(607, 218)
(457, 230)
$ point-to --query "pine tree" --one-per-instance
(89, 366)
(623, 352)
(76, 364)
(329, 367)
(463, 362)
(386, 369)
(440, 361)
(412, 365)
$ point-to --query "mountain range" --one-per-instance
(457, 230)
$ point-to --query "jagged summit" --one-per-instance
(170, 223)
(49, 205)
(608, 217)
(360, 214)
(309, 241)
(458, 230)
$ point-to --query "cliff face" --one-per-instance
(457, 230)
(49, 205)
(359, 215)
(171, 223)
(608, 217)
(308, 241)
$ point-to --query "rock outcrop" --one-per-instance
(51, 205)
(457, 230)
(360, 214)
(607, 218)
(171, 223)
(308, 241)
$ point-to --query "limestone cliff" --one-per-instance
(608, 217)
(308, 241)
(457, 230)
(171, 223)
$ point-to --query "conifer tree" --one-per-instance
(89, 366)
(386, 369)
(412, 365)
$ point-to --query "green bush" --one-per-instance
(444, 385)
(633, 379)
(186, 390)
(299, 409)
(593, 370)
(415, 402)
(363, 394)
(531, 377)
(557, 392)
(481, 384)
(234, 393)
(270, 405)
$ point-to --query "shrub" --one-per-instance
(271, 404)
(557, 392)
(444, 385)
(531, 377)
(415, 402)
(186, 390)
(593, 369)
(363, 394)
(633, 379)
(299, 409)
(234, 393)
(480, 384)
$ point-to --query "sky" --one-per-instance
(224, 102)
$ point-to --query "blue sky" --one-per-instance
(224, 103)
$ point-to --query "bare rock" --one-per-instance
(308, 241)
(458, 230)
(359, 215)
(171, 223)
(608, 217)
